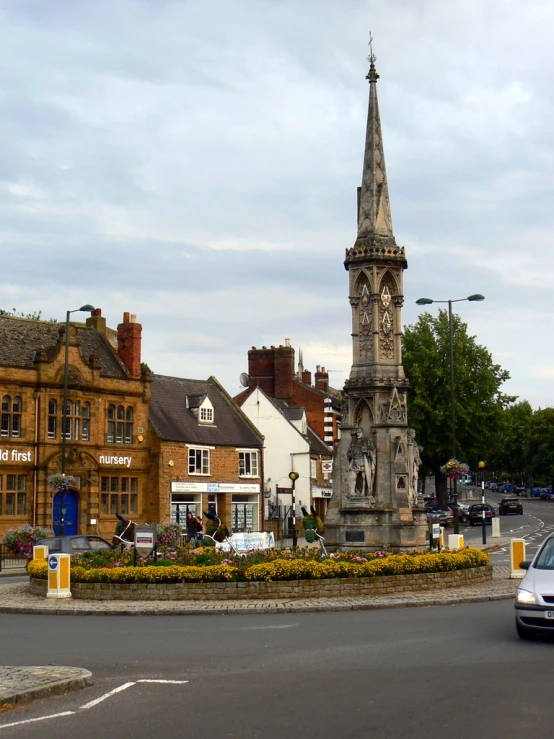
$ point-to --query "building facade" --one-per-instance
(123, 456)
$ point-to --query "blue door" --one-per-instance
(71, 505)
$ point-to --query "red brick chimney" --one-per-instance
(272, 369)
(307, 377)
(128, 344)
(321, 378)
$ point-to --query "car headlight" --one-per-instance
(525, 596)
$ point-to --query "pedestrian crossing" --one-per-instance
(533, 541)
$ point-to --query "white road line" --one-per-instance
(265, 628)
(32, 720)
(106, 695)
(165, 682)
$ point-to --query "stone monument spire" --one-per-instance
(375, 501)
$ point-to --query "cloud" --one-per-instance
(196, 163)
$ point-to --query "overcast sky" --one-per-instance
(196, 161)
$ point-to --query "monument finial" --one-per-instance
(372, 75)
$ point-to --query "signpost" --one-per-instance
(145, 540)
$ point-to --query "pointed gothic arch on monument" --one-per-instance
(363, 416)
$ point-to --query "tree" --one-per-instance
(512, 441)
(540, 444)
(478, 400)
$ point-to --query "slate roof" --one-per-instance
(20, 338)
(173, 421)
(317, 445)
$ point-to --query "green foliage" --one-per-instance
(35, 315)
(479, 402)
(540, 444)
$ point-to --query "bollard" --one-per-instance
(441, 540)
(59, 576)
(495, 527)
(40, 551)
(517, 555)
(455, 541)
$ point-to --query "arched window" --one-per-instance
(11, 416)
(120, 424)
(111, 424)
(129, 425)
(52, 418)
(77, 420)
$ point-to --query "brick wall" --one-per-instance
(281, 590)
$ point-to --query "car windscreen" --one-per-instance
(545, 560)
(511, 501)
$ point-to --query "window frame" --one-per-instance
(203, 454)
(249, 466)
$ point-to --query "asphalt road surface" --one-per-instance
(456, 672)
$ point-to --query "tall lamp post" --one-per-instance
(294, 477)
(85, 309)
(428, 301)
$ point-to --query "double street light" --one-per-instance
(85, 309)
(428, 301)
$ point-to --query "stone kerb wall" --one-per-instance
(283, 589)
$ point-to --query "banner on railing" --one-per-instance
(244, 542)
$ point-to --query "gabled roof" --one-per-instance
(20, 338)
(317, 445)
(173, 421)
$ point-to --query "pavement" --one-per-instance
(20, 685)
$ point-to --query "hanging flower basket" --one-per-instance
(454, 469)
(61, 483)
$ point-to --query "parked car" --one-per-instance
(475, 514)
(520, 490)
(507, 488)
(463, 511)
(445, 517)
(76, 544)
(495, 487)
(545, 494)
(536, 492)
(510, 505)
(534, 601)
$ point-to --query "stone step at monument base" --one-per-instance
(374, 529)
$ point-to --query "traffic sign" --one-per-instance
(52, 562)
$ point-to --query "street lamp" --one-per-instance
(294, 477)
(428, 301)
(86, 309)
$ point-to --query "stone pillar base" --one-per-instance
(377, 528)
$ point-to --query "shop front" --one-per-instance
(236, 504)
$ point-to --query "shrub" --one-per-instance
(21, 540)
(275, 568)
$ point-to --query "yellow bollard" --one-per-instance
(40, 551)
(59, 576)
(517, 555)
(455, 541)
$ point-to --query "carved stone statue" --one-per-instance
(414, 461)
(361, 464)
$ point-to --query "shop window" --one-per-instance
(115, 497)
(10, 426)
(10, 504)
(199, 461)
(248, 464)
(120, 425)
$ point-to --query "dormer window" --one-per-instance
(202, 408)
(206, 415)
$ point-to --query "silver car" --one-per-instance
(535, 594)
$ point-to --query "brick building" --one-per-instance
(208, 454)
(119, 459)
(273, 370)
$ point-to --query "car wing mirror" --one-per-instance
(525, 565)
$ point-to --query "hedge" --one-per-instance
(279, 569)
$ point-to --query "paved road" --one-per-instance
(452, 672)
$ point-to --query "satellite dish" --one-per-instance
(244, 380)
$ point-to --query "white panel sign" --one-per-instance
(249, 542)
(214, 487)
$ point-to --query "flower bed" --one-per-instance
(277, 567)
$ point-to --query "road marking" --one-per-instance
(265, 628)
(106, 695)
(32, 720)
(165, 682)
